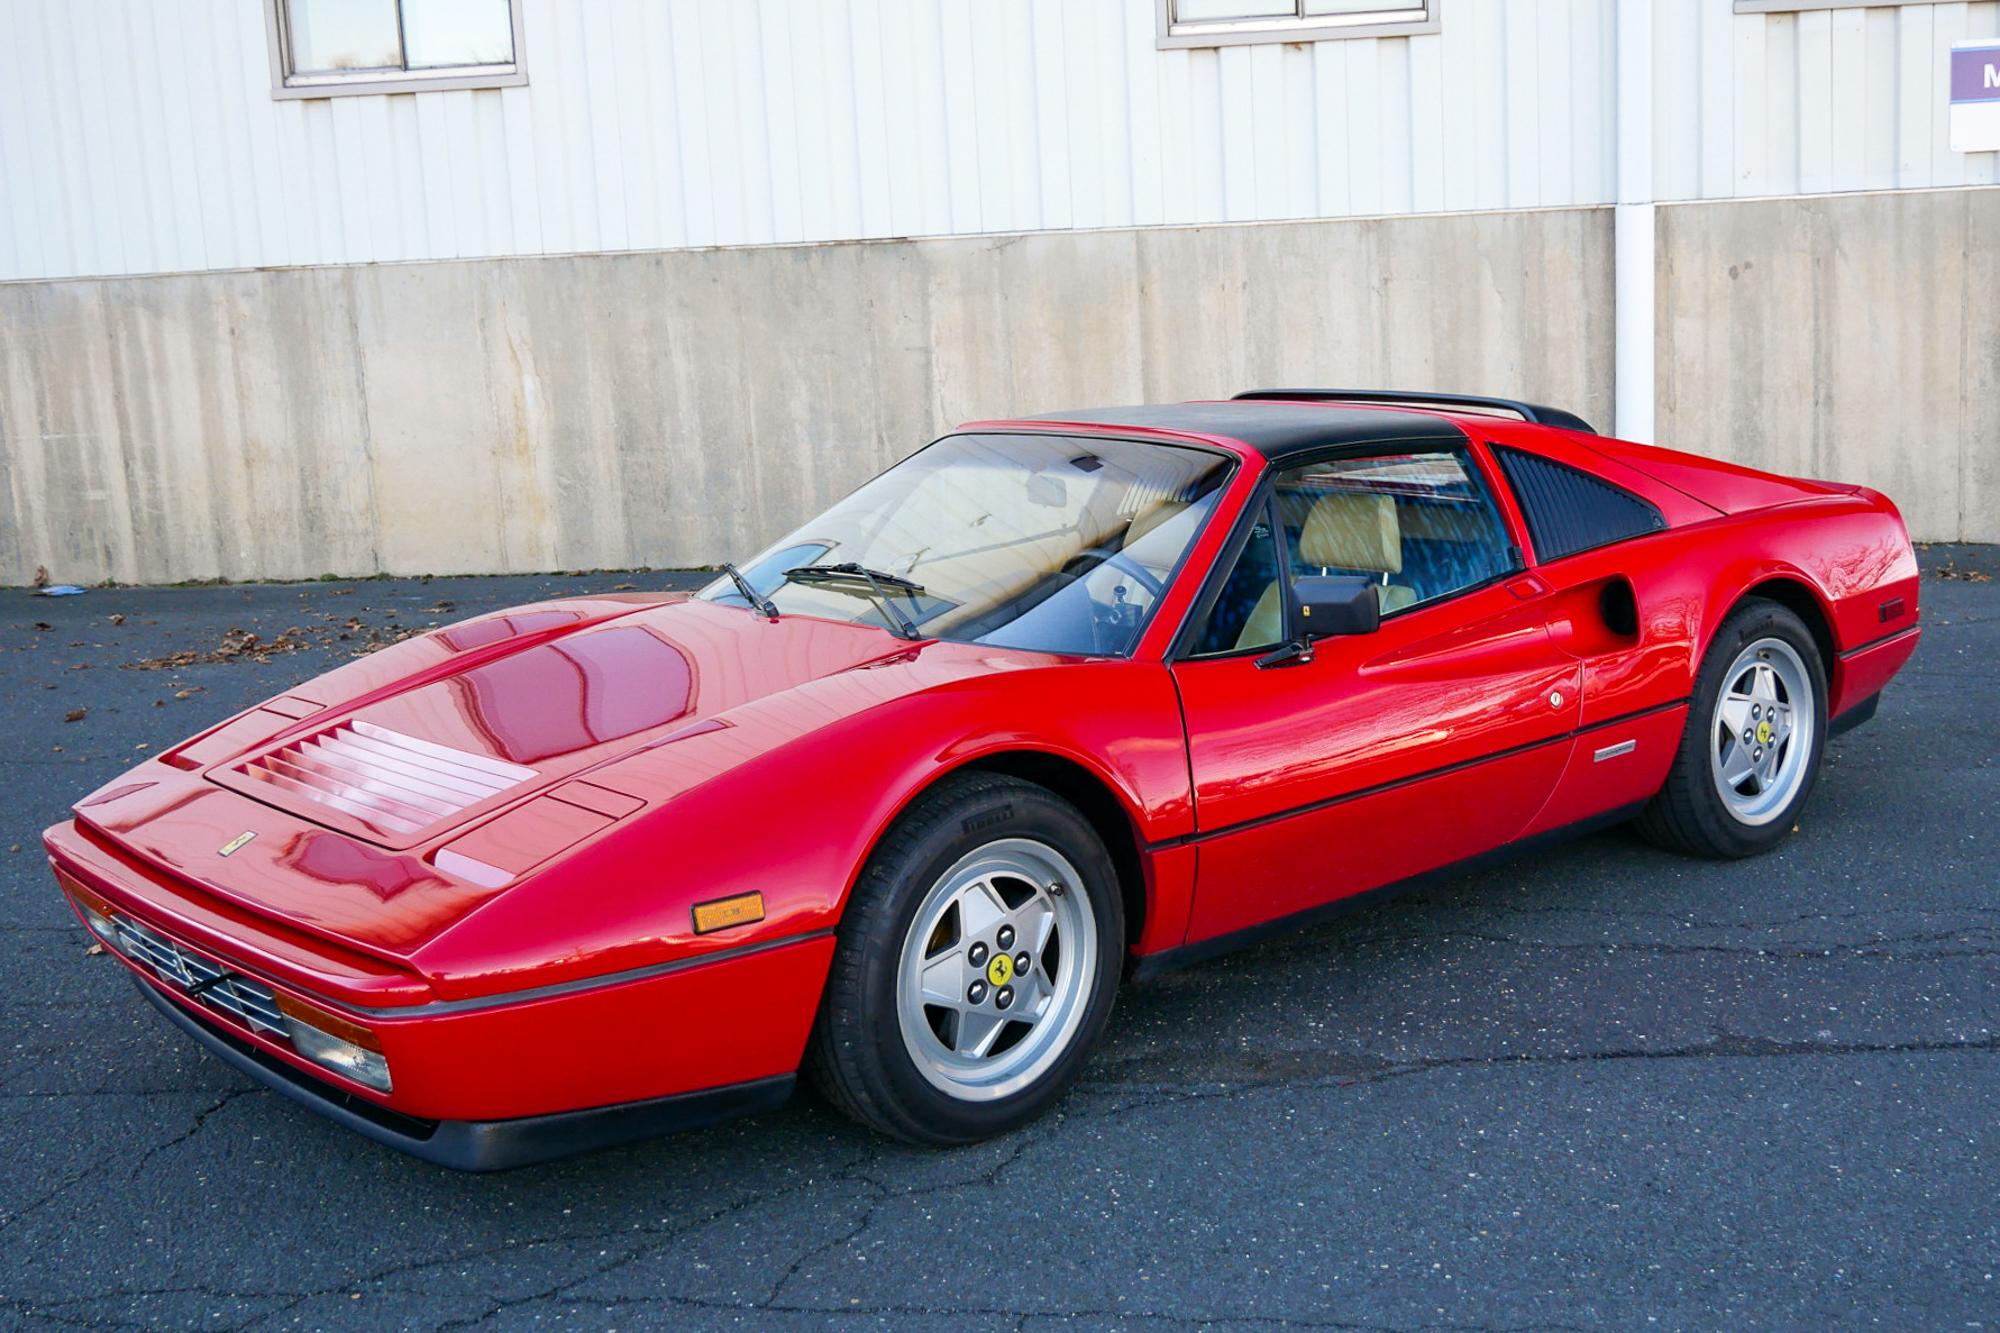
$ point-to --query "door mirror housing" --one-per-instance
(1332, 604)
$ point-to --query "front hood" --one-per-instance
(350, 805)
(407, 766)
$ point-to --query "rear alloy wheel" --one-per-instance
(1751, 750)
(977, 964)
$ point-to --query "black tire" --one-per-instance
(857, 1056)
(1689, 814)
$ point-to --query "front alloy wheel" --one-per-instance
(997, 969)
(977, 962)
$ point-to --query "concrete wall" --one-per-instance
(1853, 337)
(685, 407)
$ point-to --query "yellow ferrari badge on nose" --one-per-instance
(1001, 970)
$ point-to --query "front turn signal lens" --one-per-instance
(96, 911)
(340, 1044)
(723, 913)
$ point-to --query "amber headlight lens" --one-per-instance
(339, 1044)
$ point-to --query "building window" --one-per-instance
(334, 48)
(1233, 22)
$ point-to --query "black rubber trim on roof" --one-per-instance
(1568, 510)
(1541, 416)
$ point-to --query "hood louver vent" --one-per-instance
(393, 782)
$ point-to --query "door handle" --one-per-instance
(1296, 653)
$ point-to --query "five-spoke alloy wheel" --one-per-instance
(976, 966)
(996, 969)
(1751, 748)
(1764, 728)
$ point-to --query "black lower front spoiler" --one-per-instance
(480, 1145)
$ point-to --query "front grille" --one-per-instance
(250, 1001)
(390, 781)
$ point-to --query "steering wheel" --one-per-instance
(1083, 562)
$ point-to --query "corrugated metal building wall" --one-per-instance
(659, 124)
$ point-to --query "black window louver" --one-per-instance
(1570, 511)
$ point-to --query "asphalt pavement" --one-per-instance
(1605, 1088)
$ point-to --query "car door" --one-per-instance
(1378, 756)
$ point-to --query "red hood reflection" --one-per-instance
(575, 693)
(334, 860)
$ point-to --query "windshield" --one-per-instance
(1052, 543)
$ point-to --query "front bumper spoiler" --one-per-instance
(479, 1145)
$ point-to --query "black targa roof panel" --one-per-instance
(1276, 430)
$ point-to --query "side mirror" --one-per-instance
(1332, 604)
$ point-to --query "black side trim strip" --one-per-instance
(482, 1145)
(1855, 716)
(1313, 807)
(603, 979)
(1167, 960)
(1877, 643)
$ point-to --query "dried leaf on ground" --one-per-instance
(242, 645)
(75, 714)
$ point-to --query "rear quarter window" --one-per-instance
(1568, 510)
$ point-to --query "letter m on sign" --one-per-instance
(1993, 76)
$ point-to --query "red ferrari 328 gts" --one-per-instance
(1051, 703)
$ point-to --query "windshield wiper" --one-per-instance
(763, 604)
(877, 581)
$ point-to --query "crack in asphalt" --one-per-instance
(1340, 1069)
(655, 1239)
(1874, 949)
(853, 1172)
(1024, 1318)
(201, 1118)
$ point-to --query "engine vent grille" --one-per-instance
(393, 782)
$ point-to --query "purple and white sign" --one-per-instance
(1975, 96)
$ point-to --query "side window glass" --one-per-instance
(1421, 525)
(1250, 611)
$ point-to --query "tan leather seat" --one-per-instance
(1345, 531)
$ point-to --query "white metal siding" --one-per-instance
(140, 136)
(1809, 103)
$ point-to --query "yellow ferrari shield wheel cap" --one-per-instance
(1001, 970)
